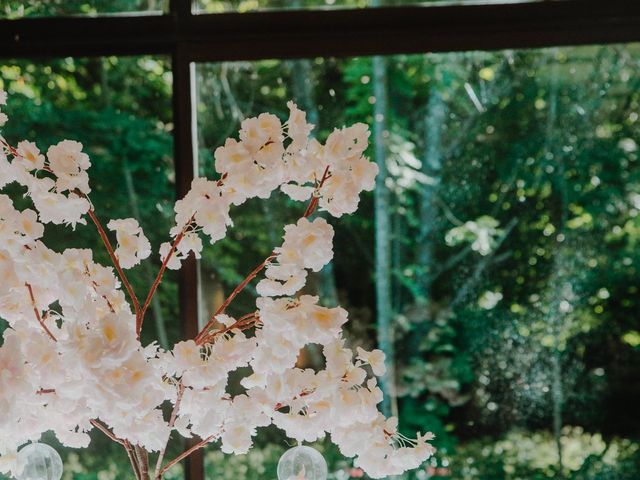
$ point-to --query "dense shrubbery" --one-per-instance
(522, 455)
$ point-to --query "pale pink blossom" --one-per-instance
(72, 351)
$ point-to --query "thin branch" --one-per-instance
(245, 326)
(95, 289)
(114, 260)
(107, 432)
(243, 323)
(453, 261)
(36, 310)
(156, 282)
(447, 212)
(172, 422)
(242, 284)
(233, 295)
(313, 204)
(124, 443)
(184, 455)
(133, 460)
(143, 461)
(11, 149)
(45, 391)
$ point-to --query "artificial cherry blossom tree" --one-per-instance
(72, 359)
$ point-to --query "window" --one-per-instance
(243, 6)
(502, 167)
(52, 8)
(513, 196)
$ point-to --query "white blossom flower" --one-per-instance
(133, 245)
(30, 157)
(281, 280)
(374, 358)
(72, 352)
(256, 132)
(232, 157)
(9, 459)
(174, 262)
(298, 129)
(57, 208)
(308, 244)
(225, 320)
(69, 164)
(297, 192)
(236, 438)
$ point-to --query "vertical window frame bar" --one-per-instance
(185, 171)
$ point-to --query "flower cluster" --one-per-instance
(72, 359)
(306, 245)
(133, 246)
(61, 197)
(269, 156)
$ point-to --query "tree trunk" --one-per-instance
(434, 123)
(397, 255)
(432, 169)
(383, 236)
(142, 457)
(557, 316)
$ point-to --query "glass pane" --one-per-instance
(514, 193)
(220, 6)
(120, 110)
(50, 8)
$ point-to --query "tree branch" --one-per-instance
(233, 295)
(124, 443)
(11, 150)
(313, 204)
(133, 460)
(36, 310)
(156, 282)
(184, 455)
(143, 461)
(107, 432)
(114, 260)
(172, 422)
(243, 323)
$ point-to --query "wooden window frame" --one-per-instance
(190, 38)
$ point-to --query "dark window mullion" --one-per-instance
(183, 134)
(180, 8)
(310, 33)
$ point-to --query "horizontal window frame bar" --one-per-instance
(340, 33)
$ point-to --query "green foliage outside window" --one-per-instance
(515, 200)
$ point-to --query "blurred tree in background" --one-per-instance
(511, 205)
(513, 181)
